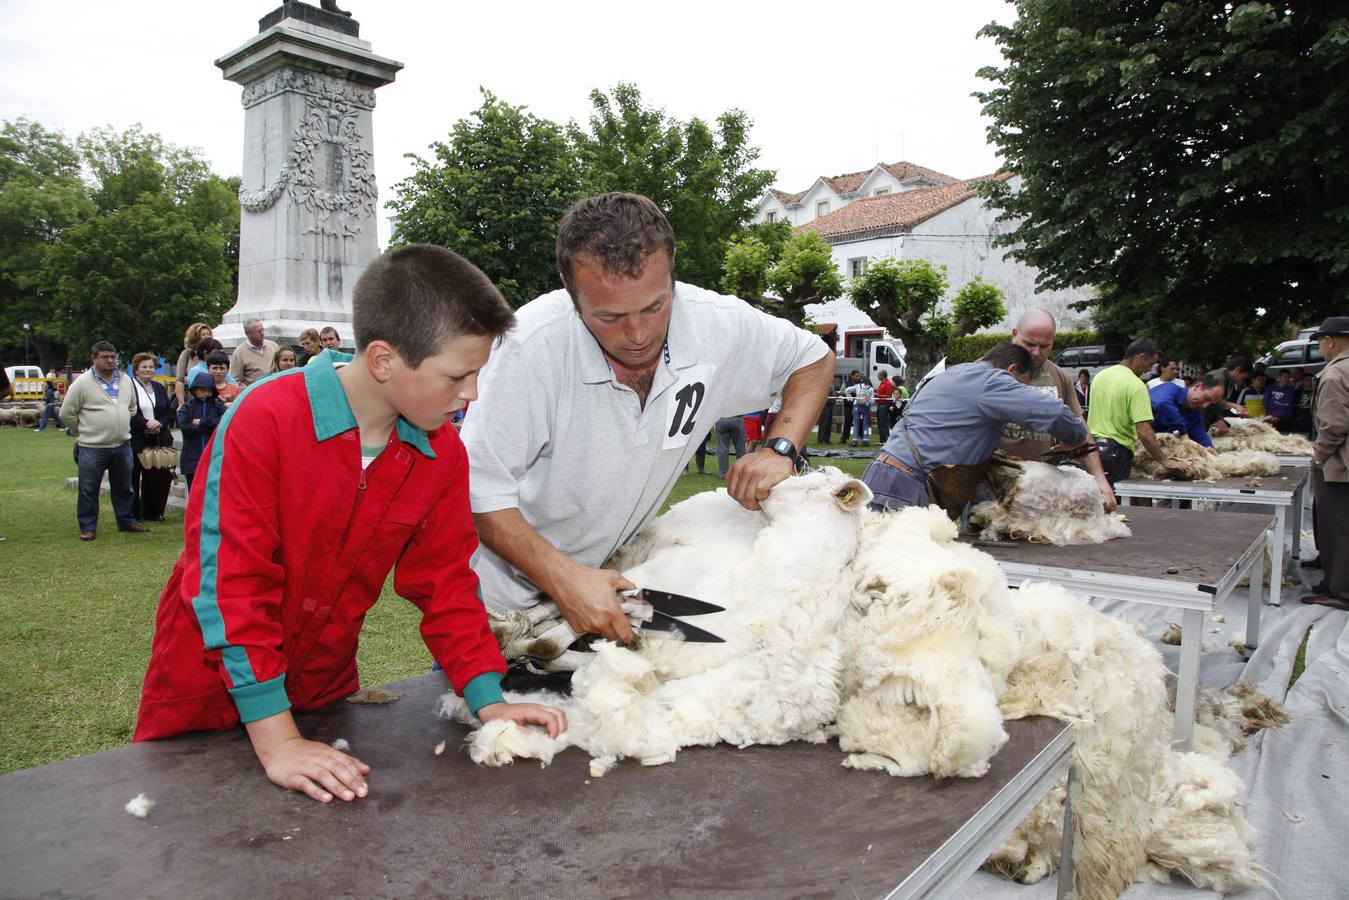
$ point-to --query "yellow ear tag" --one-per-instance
(846, 496)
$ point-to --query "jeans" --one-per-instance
(883, 422)
(731, 428)
(94, 461)
(892, 489)
(50, 413)
(1116, 459)
(861, 423)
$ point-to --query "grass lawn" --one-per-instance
(76, 618)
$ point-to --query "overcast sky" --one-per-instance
(831, 87)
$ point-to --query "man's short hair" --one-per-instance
(619, 230)
(102, 347)
(1006, 355)
(205, 346)
(420, 297)
(1238, 364)
(310, 334)
(1208, 381)
(1165, 361)
(329, 328)
(217, 358)
(1141, 346)
(1219, 374)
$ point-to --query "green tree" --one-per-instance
(903, 296)
(1187, 158)
(41, 195)
(701, 175)
(784, 277)
(494, 194)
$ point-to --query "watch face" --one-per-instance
(784, 447)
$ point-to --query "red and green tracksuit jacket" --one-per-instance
(287, 543)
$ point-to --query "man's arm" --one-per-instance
(752, 477)
(237, 364)
(1332, 420)
(1148, 438)
(586, 597)
(70, 407)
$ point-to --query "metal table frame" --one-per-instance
(1278, 500)
(946, 870)
(1194, 599)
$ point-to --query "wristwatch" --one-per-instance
(784, 447)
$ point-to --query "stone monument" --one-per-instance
(308, 199)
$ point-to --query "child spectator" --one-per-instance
(218, 366)
(197, 420)
(1252, 397)
(1302, 418)
(1281, 401)
(276, 578)
(285, 359)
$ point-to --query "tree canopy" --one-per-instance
(1189, 159)
(779, 272)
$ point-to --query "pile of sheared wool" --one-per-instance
(1204, 466)
(1257, 434)
(1046, 504)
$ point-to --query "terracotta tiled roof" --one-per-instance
(785, 198)
(903, 170)
(851, 181)
(902, 210)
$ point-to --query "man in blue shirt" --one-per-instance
(1281, 401)
(958, 418)
(1180, 410)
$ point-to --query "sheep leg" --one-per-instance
(549, 645)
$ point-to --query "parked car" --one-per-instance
(1092, 357)
(1302, 354)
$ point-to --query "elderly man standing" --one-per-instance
(1177, 409)
(98, 408)
(1035, 331)
(1120, 414)
(592, 407)
(252, 360)
(1330, 465)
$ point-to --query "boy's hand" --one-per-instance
(196, 421)
(555, 720)
(297, 764)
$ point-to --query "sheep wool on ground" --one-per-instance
(1257, 434)
(908, 646)
(1045, 504)
(1204, 466)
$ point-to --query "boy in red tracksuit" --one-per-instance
(317, 482)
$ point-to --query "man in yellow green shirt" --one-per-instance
(1120, 415)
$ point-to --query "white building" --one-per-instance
(831, 193)
(948, 225)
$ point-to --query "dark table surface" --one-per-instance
(1202, 546)
(766, 821)
(1288, 479)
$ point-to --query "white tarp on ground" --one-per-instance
(1297, 777)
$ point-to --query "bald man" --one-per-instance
(1034, 331)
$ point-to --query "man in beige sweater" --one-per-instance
(252, 360)
(1330, 465)
(98, 408)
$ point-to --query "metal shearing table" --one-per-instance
(1208, 554)
(718, 822)
(1278, 492)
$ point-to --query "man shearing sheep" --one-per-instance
(636, 367)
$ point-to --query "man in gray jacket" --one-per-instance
(98, 408)
(1330, 465)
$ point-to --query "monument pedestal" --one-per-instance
(308, 197)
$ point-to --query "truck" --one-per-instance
(877, 354)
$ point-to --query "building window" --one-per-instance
(821, 207)
(880, 192)
(771, 217)
(856, 266)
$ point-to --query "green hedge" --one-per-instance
(972, 346)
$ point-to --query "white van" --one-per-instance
(27, 381)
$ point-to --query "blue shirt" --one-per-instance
(958, 417)
(1279, 401)
(111, 388)
(1172, 416)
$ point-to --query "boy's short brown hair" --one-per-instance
(420, 297)
(619, 230)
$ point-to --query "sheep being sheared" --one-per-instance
(1257, 434)
(929, 641)
(1139, 802)
(1045, 504)
(782, 575)
(1204, 466)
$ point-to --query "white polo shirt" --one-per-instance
(554, 434)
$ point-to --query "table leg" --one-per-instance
(1187, 680)
(1299, 497)
(1067, 871)
(1276, 557)
(1257, 591)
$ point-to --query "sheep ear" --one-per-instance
(852, 494)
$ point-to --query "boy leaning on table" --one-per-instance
(318, 481)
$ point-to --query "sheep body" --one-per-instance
(1204, 466)
(1256, 434)
(1047, 505)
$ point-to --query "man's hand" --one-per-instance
(297, 764)
(1219, 428)
(588, 599)
(1107, 493)
(753, 476)
(1176, 465)
(554, 720)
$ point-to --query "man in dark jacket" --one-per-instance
(197, 420)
